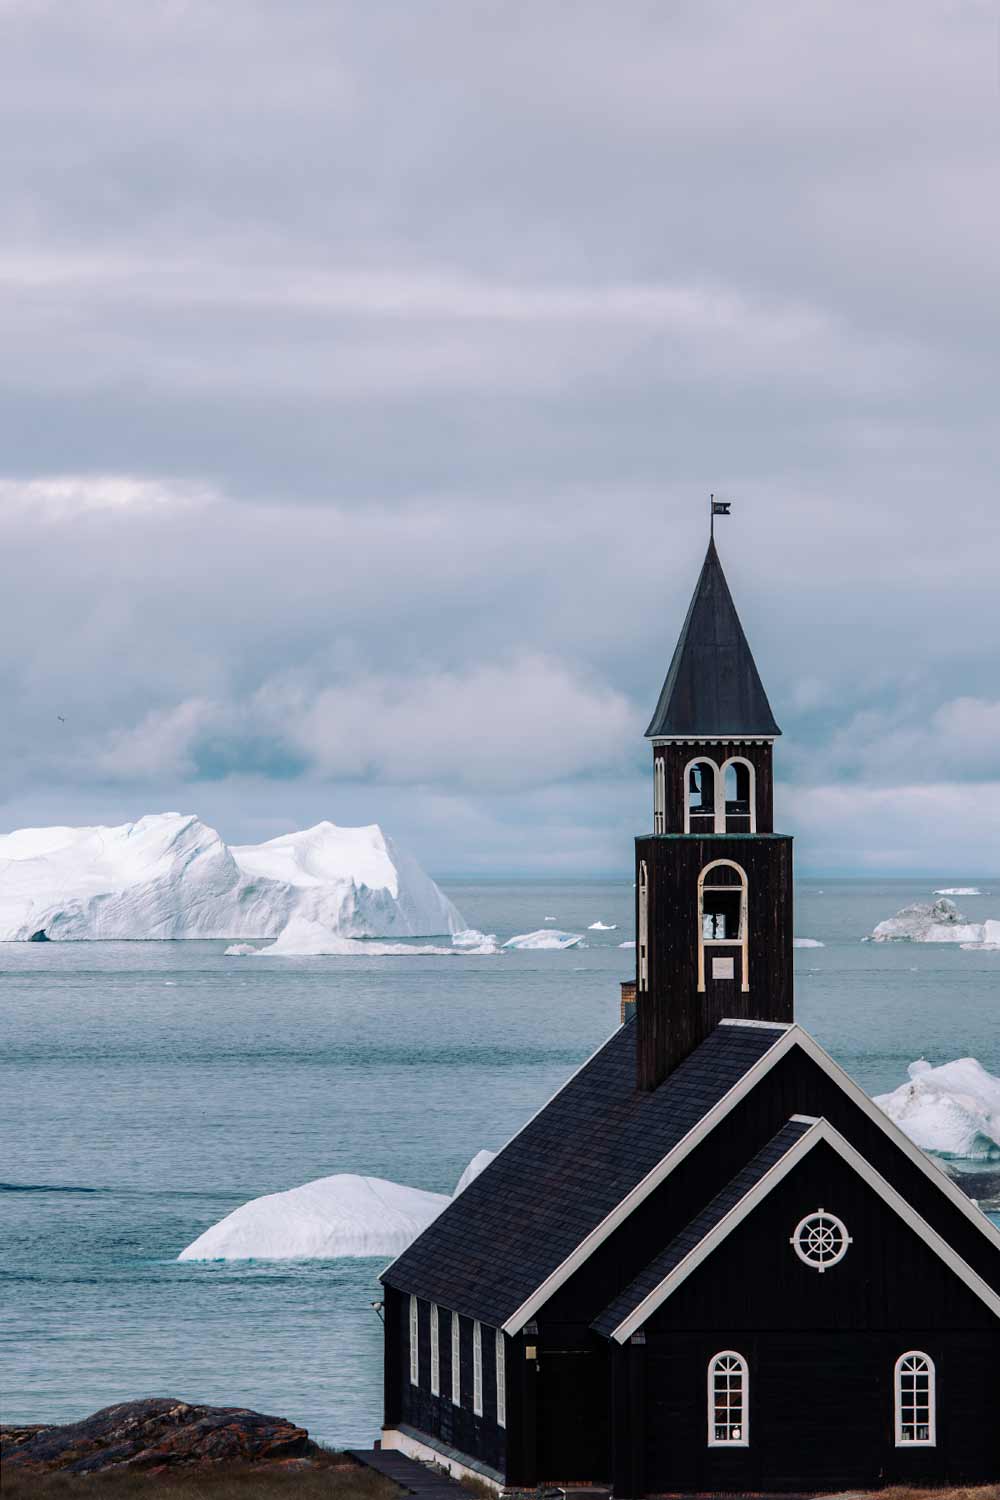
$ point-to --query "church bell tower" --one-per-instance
(713, 880)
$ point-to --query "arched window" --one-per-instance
(477, 1369)
(740, 796)
(659, 795)
(728, 1401)
(916, 1416)
(435, 1351)
(723, 922)
(700, 809)
(642, 953)
(501, 1380)
(456, 1360)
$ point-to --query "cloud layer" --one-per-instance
(366, 369)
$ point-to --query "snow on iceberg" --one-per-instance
(333, 1216)
(602, 927)
(546, 937)
(952, 1110)
(478, 1164)
(343, 1215)
(171, 876)
(807, 943)
(941, 922)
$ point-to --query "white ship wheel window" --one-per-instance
(821, 1240)
(728, 1397)
(916, 1420)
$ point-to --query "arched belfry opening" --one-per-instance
(713, 880)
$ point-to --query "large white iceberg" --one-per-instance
(342, 1215)
(546, 937)
(940, 922)
(952, 1110)
(171, 876)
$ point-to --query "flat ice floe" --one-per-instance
(940, 922)
(959, 890)
(629, 944)
(546, 937)
(171, 876)
(303, 938)
(952, 1110)
(343, 1215)
(807, 943)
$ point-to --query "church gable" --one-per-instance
(807, 1235)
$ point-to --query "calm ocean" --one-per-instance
(149, 1088)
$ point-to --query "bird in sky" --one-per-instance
(60, 718)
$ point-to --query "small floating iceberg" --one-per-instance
(304, 938)
(959, 890)
(546, 937)
(923, 922)
(807, 943)
(471, 940)
(342, 1215)
(952, 1110)
(629, 944)
(603, 927)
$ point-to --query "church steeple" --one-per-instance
(713, 687)
(713, 880)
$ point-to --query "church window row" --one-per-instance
(914, 1400)
(719, 799)
(456, 1360)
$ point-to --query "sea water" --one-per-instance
(150, 1088)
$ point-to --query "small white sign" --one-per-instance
(723, 968)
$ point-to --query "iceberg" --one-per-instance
(478, 1164)
(629, 944)
(959, 890)
(602, 927)
(941, 922)
(169, 875)
(952, 1110)
(305, 938)
(342, 1215)
(807, 943)
(546, 937)
(475, 941)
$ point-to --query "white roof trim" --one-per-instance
(712, 739)
(821, 1131)
(641, 1191)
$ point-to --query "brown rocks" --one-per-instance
(156, 1434)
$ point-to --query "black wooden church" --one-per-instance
(709, 1263)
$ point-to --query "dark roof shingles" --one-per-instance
(691, 1236)
(561, 1176)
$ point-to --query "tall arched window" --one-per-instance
(723, 921)
(659, 795)
(740, 796)
(728, 1401)
(642, 954)
(414, 1342)
(916, 1415)
(700, 799)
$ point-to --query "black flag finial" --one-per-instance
(719, 508)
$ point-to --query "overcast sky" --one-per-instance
(366, 368)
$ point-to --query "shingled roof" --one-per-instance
(713, 686)
(700, 1226)
(566, 1171)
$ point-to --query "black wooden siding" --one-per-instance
(673, 1017)
(821, 1351)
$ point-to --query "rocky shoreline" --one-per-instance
(157, 1435)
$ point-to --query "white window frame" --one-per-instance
(743, 941)
(642, 951)
(659, 794)
(705, 760)
(817, 1259)
(435, 1352)
(928, 1371)
(736, 760)
(414, 1341)
(715, 1370)
(477, 1369)
(501, 1380)
(456, 1360)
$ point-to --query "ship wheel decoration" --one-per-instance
(821, 1240)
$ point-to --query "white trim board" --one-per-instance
(821, 1131)
(793, 1036)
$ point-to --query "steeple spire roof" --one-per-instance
(713, 688)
